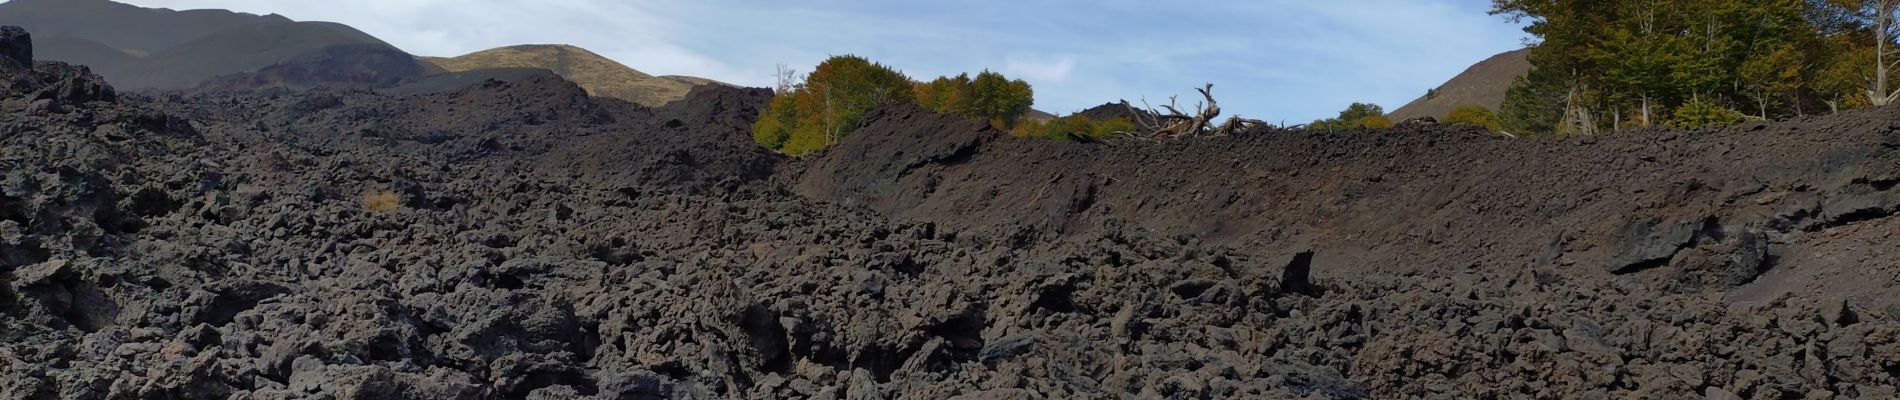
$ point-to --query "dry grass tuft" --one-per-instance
(383, 201)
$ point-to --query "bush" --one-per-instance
(1069, 127)
(1475, 115)
(382, 201)
(775, 125)
(1700, 112)
(1376, 122)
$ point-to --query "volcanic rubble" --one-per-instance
(547, 245)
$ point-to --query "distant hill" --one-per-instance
(155, 48)
(599, 75)
(248, 49)
(80, 51)
(136, 30)
(1483, 84)
(1038, 115)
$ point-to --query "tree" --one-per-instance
(1882, 14)
(990, 96)
(1600, 65)
(813, 111)
(1355, 116)
(1534, 103)
(1773, 77)
(949, 95)
(829, 103)
(775, 124)
(1000, 100)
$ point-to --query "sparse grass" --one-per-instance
(599, 75)
(381, 201)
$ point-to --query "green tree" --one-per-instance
(1353, 117)
(949, 95)
(829, 104)
(1773, 78)
(999, 99)
(1600, 65)
(776, 123)
(1535, 103)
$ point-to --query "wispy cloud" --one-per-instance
(1048, 69)
(1293, 59)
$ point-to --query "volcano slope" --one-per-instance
(543, 244)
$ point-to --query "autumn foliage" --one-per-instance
(1072, 128)
(990, 96)
(1476, 116)
(831, 102)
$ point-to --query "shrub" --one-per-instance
(1475, 115)
(1069, 127)
(381, 201)
(775, 125)
(1376, 122)
(1701, 112)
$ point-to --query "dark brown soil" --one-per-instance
(548, 245)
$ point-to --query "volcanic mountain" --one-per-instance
(155, 48)
(600, 76)
(1483, 84)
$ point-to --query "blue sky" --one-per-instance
(1295, 60)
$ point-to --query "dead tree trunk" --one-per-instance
(1883, 31)
(1176, 124)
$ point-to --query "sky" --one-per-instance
(1291, 60)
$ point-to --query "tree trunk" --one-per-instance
(1646, 110)
(1883, 21)
(1616, 120)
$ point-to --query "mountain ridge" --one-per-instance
(1482, 84)
(599, 75)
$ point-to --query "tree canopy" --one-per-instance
(1355, 116)
(830, 103)
(1607, 65)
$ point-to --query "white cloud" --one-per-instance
(1041, 69)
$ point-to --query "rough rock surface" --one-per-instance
(547, 245)
(16, 47)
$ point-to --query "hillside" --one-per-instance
(133, 29)
(250, 48)
(155, 48)
(599, 75)
(1482, 84)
